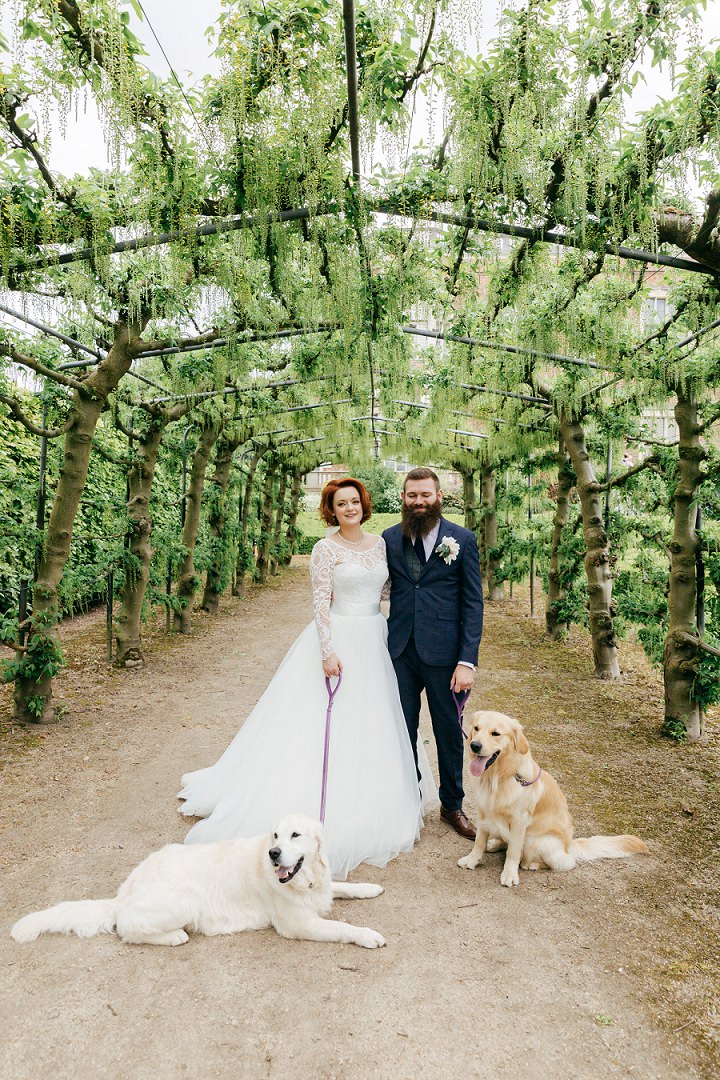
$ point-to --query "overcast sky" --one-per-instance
(180, 26)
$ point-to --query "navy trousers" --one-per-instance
(413, 677)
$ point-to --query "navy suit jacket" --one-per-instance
(443, 608)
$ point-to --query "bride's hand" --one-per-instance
(332, 666)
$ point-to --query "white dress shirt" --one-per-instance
(430, 541)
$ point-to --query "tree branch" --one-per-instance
(618, 481)
(40, 369)
(683, 231)
(140, 347)
(682, 637)
(121, 426)
(146, 106)
(122, 463)
(662, 331)
(712, 212)
(27, 141)
(48, 433)
(651, 442)
(621, 49)
(410, 80)
(714, 416)
(167, 414)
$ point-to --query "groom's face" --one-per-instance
(422, 502)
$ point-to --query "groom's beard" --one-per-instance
(420, 523)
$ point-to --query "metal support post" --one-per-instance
(109, 614)
(699, 578)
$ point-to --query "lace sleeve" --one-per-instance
(387, 587)
(322, 563)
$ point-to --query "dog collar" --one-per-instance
(528, 783)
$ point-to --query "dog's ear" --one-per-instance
(519, 741)
(321, 850)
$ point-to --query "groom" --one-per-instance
(435, 624)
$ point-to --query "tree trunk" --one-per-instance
(33, 687)
(493, 588)
(263, 561)
(291, 534)
(279, 516)
(244, 555)
(140, 477)
(597, 556)
(681, 650)
(188, 580)
(557, 628)
(216, 578)
(471, 510)
(140, 480)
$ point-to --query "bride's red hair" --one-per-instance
(328, 495)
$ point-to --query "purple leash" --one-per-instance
(326, 755)
(460, 700)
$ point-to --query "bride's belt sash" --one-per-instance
(347, 607)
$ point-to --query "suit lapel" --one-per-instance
(399, 552)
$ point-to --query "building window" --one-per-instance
(655, 310)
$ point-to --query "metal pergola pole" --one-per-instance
(498, 346)
(506, 393)
(608, 474)
(699, 578)
(352, 87)
(237, 390)
(532, 545)
(562, 239)
(221, 342)
(41, 495)
(160, 239)
(53, 333)
(389, 209)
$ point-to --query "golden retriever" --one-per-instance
(280, 880)
(521, 807)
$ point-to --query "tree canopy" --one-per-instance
(269, 247)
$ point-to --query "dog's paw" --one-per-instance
(365, 891)
(369, 939)
(469, 862)
(509, 877)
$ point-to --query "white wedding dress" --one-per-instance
(273, 766)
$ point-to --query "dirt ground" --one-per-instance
(611, 970)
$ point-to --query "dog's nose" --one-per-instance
(476, 747)
(274, 853)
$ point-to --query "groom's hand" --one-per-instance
(462, 679)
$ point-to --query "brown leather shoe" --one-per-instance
(459, 822)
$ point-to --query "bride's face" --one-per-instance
(347, 507)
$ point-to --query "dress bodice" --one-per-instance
(345, 582)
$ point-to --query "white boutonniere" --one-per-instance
(448, 549)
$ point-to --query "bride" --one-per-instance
(273, 767)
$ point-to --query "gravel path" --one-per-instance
(476, 980)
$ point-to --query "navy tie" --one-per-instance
(420, 550)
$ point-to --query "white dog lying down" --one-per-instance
(279, 880)
(521, 807)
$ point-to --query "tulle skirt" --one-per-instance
(273, 767)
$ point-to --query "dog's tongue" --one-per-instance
(478, 765)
